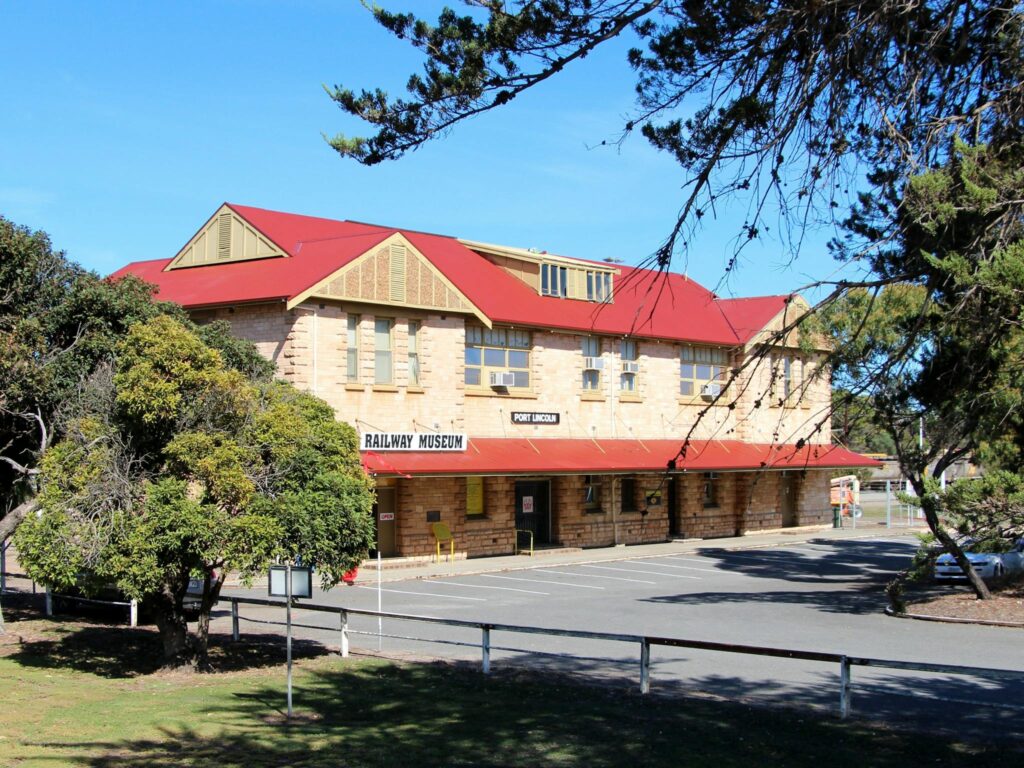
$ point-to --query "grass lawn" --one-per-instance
(89, 695)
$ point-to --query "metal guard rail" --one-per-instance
(645, 642)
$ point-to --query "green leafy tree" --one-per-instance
(942, 340)
(176, 465)
(58, 322)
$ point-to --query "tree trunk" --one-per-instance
(13, 518)
(170, 620)
(930, 507)
(211, 591)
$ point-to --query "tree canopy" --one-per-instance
(176, 465)
(763, 98)
(946, 346)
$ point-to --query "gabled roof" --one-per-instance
(647, 303)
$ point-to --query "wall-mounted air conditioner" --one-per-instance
(710, 391)
(593, 363)
(628, 367)
(503, 379)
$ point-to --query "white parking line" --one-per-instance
(539, 581)
(595, 576)
(635, 570)
(424, 594)
(484, 586)
(685, 568)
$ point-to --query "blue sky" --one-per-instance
(127, 123)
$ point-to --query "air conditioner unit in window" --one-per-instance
(628, 367)
(710, 391)
(503, 379)
(593, 363)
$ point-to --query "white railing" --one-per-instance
(643, 642)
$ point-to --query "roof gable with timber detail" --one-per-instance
(396, 273)
(225, 238)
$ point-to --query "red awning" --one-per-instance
(548, 456)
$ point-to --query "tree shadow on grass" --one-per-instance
(126, 652)
(447, 715)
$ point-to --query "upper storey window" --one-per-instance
(553, 280)
(702, 370)
(497, 357)
(575, 282)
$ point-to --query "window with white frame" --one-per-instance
(628, 359)
(413, 350)
(382, 367)
(590, 346)
(352, 348)
(700, 367)
(599, 286)
(497, 351)
(554, 280)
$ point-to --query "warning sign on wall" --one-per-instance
(527, 505)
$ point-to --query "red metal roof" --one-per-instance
(522, 456)
(647, 303)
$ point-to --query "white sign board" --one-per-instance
(385, 516)
(412, 441)
(527, 505)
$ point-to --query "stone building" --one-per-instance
(514, 394)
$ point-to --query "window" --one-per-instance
(710, 496)
(474, 496)
(553, 280)
(699, 366)
(786, 378)
(630, 367)
(575, 283)
(590, 346)
(414, 353)
(352, 351)
(382, 349)
(497, 350)
(627, 494)
(591, 492)
(599, 286)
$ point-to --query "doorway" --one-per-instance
(384, 514)
(533, 509)
(787, 499)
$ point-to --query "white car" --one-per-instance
(988, 565)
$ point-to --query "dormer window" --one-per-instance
(553, 280)
(568, 282)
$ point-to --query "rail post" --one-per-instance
(844, 687)
(485, 648)
(645, 666)
(133, 613)
(343, 618)
(234, 620)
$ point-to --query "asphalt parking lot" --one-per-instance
(816, 595)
